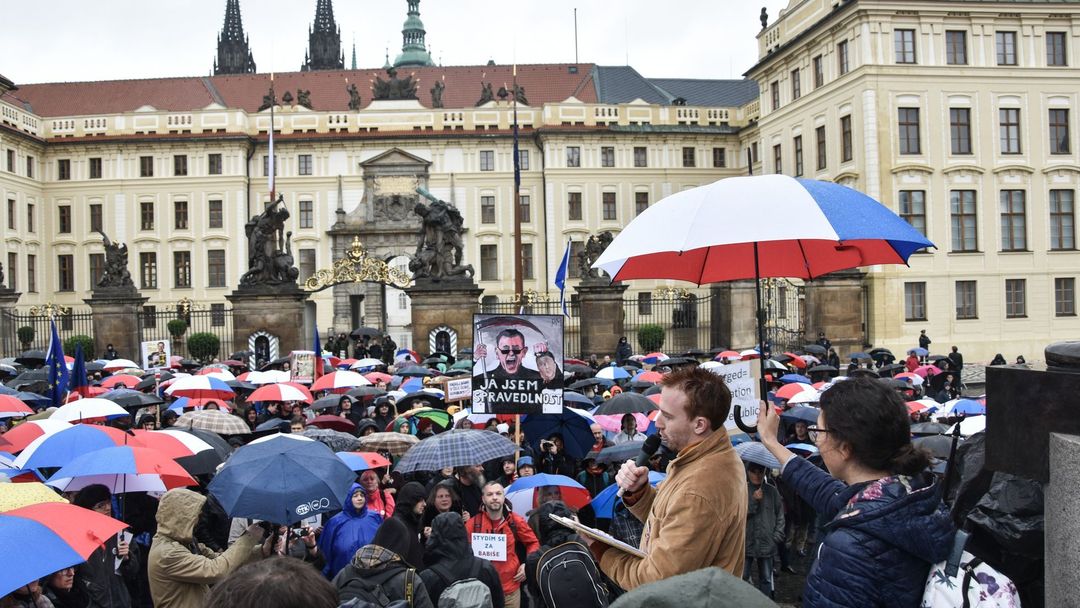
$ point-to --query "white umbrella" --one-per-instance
(807, 396)
(88, 409)
(116, 364)
(969, 426)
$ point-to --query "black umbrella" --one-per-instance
(241, 354)
(897, 383)
(577, 400)
(94, 366)
(207, 461)
(31, 358)
(928, 428)
(127, 398)
(240, 385)
(34, 400)
(587, 382)
(420, 399)
(274, 425)
(695, 353)
(814, 349)
(414, 371)
(937, 382)
(773, 364)
(366, 392)
(939, 446)
(361, 332)
(148, 381)
(934, 359)
(823, 369)
(632, 363)
(673, 361)
(327, 402)
(640, 384)
(652, 390)
(886, 371)
(619, 453)
(859, 355)
(784, 358)
(626, 403)
(879, 350)
(862, 372)
(581, 370)
(28, 378)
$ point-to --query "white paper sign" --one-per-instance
(491, 547)
(742, 379)
(458, 389)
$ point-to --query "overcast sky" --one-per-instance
(78, 40)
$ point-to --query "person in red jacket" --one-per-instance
(496, 518)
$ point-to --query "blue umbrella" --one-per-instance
(34, 400)
(604, 503)
(572, 424)
(612, 373)
(282, 479)
(789, 378)
(805, 413)
(757, 453)
(802, 447)
(918, 352)
(859, 355)
(969, 407)
(571, 398)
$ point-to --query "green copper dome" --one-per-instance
(413, 48)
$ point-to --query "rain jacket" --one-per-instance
(408, 497)
(708, 588)
(180, 569)
(448, 548)
(104, 584)
(520, 532)
(374, 567)
(764, 521)
(345, 533)
(695, 518)
(880, 542)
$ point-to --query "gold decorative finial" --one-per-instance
(50, 310)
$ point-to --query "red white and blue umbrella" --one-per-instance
(63, 446)
(116, 364)
(340, 381)
(10, 407)
(365, 364)
(89, 409)
(362, 461)
(612, 372)
(16, 440)
(124, 380)
(122, 469)
(48, 537)
(524, 494)
(284, 391)
(200, 387)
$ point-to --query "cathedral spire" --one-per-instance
(354, 53)
(413, 49)
(233, 53)
(324, 41)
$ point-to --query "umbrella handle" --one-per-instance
(748, 429)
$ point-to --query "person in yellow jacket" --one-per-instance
(180, 569)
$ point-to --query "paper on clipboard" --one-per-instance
(598, 535)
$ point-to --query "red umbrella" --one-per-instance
(927, 370)
(125, 380)
(796, 360)
(282, 391)
(790, 390)
(10, 407)
(336, 423)
(729, 354)
(373, 460)
(649, 376)
(377, 377)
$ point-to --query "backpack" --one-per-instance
(568, 577)
(965, 581)
(468, 592)
(374, 596)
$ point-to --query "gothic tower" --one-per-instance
(324, 41)
(233, 53)
(413, 50)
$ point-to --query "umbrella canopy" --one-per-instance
(807, 414)
(939, 446)
(395, 443)
(362, 461)
(282, 479)
(10, 407)
(57, 535)
(127, 398)
(336, 423)
(327, 402)
(969, 426)
(61, 447)
(117, 364)
(199, 452)
(455, 448)
(421, 398)
(613, 373)
(587, 382)
(18, 438)
(339, 380)
(756, 452)
(32, 358)
(814, 349)
(366, 392)
(613, 422)
(626, 403)
(806, 396)
(620, 453)
(362, 332)
(968, 407)
(378, 377)
(790, 390)
(281, 392)
(200, 387)
(337, 441)
(18, 495)
(215, 421)
(929, 428)
(122, 469)
(790, 378)
(927, 370)
(32, 399)
(572, 424)
(604, 503)
(918, 351)
(859, 356)
(524, 494)
(89, 409)
(822, 369)
(122, 380)
(806, 448)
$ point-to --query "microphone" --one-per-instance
(647, 450)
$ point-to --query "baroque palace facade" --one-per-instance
(956, 114)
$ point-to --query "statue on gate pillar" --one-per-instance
(270, 259)
(116, 273)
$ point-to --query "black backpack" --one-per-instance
(568, 578)
(372, 595)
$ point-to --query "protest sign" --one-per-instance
(458, 389)
(518, 364)
(743, 379)
(491, 547)
(302, 366)
(155, 354)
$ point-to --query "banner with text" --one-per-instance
(743, 379)
(518, 364)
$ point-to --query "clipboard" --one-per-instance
(597, 535)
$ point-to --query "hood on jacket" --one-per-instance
(407, 498)
(365, 423)
(551, 532)
(374, 557)
(178, 512)
(903, 511)
(347, 507)
(449, 540)
(699, 589)
(392, 535)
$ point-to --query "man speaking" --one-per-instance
(696, 518)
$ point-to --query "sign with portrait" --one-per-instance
(743, 379)
(302, 366)
(517, 364)
(155, 354)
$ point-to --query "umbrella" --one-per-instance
(18, 495)
(124, 380)
(88, 409)
(929, 428)
(377, 377)
(613, 422)
(415, 371)
(859, 356)
(969, 426)
(807, 414)
(32, 358)
(604, 503)
(626, 403)
(336, 423)
(369, 332)
(862, 373)
(327, 402)
(773, 365)
(273, 425)
(61, 447)
(586, 383)
(815, 349)
(281, 392)
(366, 392)
(620, 453)
(200, 387)
(199, 452)
(824, 369)
(283, 480)
(437, 417)
(789, 378)
(968, 407)
(362, 461)
(10, 407)
(337, 441)
(215, 421)
(455, 448)
(395, 443)
(270, 376)
(790, 390)
(339, 380)
(918, 351)
(24, 434)
(55, 536)
(116, 364)
(572, 424)
(754, 451)
(572, 398)
(889, 370)
(421, 398)
(939, 446)
(127, 398)
(122, 469)
(802, 447)
(34, 400)
(524, 494)
(805, 396)
(927, 370)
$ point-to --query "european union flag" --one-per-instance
(58, 371)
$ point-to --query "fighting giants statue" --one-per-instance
(439, 250)
(395, 88)
(270, 259)
(595, 246)
(116, 273)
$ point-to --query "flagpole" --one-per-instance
(519, 279)
(270, 160)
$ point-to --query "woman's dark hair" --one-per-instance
(278, 582)
(873, 420)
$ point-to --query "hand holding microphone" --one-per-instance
(634, 474)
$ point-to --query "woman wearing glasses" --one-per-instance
(887, 524)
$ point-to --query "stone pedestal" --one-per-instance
(602, 317)
(116, 320)
(835, 305)
(1062, 522)
(734, 310)
(277, 311)
(8, 330)
(443, 303)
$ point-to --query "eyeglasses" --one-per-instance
(813, 430)
(507, 351)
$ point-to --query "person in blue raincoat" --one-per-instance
(347, 531)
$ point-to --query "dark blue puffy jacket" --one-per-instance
(880, 542)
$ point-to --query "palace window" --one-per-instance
(960, 130)
(964, 221)
(182, 269)
(1062, 220)
(905, 46)
(180, 165)
(966, 302)
(915, 301)
(956, 47)
(1006, 48)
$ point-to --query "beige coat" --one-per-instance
(181, 570)
(696, 518)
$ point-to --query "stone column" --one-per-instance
(834, 305)
(450, 303)
(734, 320)
(602, 316)
(8, 328)
(116, 320)
(276, 310)
(1062, 522)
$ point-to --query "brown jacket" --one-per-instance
(180, 569)
(696, 518)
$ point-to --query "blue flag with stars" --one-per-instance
(58, 371)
